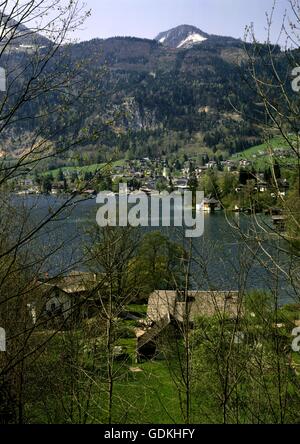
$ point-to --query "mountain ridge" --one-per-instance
(188, 36)
(150, 90)
(19, 35)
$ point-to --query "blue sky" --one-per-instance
(146, 18)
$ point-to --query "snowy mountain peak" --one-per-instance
(191, 40)
(184, 36)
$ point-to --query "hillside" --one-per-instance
(263, 155)
(19, 37)
(157, 96)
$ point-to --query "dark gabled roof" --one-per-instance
(152, 333)
(211, 201)
(74, 283)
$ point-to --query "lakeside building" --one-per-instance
(209, 205)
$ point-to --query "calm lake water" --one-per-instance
(222, 258)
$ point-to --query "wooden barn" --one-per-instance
(168, 309)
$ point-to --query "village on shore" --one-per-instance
(236, 184)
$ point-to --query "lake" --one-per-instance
(223, 259)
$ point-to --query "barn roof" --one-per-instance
(75, 282)
(164, 303)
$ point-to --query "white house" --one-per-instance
(64, 294)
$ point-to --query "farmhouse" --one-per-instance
(171, 308)
(69, 295)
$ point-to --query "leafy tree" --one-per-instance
(209, 184)
(47, 182)
(60, 175)
(158, 263)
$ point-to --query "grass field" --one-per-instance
(143, 392)
(150, 396)
(259, 154)
(85, 169)
(276, 142)
(147, 392)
